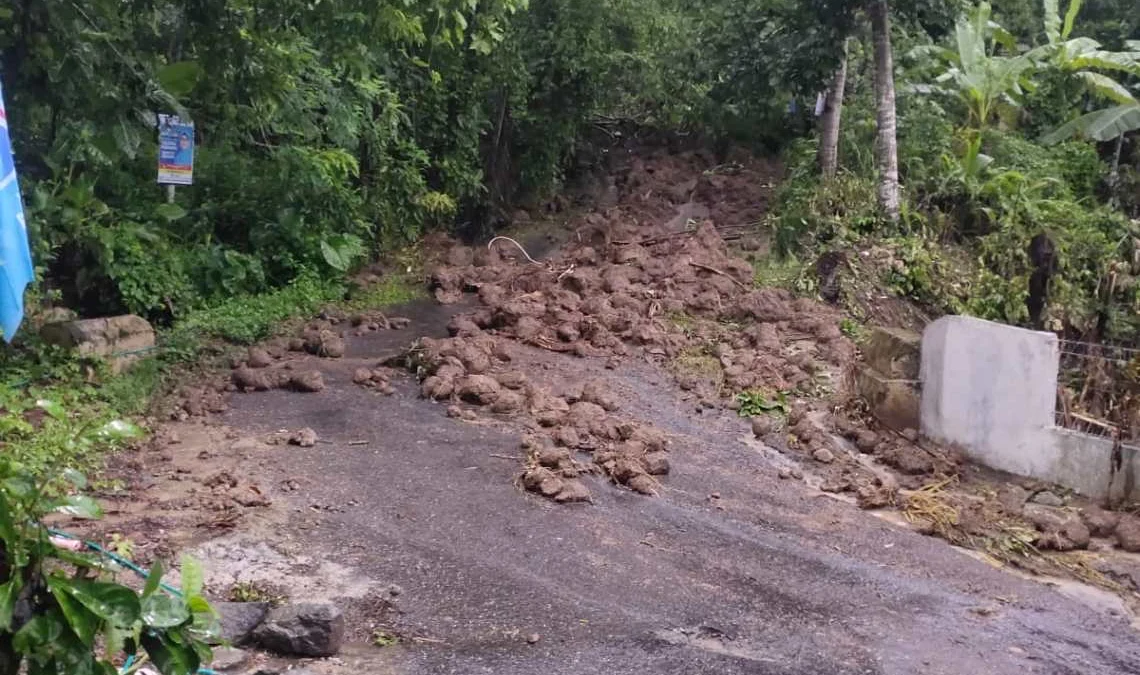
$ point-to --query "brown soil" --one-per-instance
(641, 281)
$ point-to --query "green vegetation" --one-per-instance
(983, 157)
(755, 403)
(52, 416)
(253, 591)
(325, 131)
(61, 610)
(981, 186)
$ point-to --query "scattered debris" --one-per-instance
(305, 438)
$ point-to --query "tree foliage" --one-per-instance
(325, 130)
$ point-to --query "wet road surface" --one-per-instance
(729, 571)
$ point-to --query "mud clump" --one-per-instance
(1128, 533)
(325, 343)
(478, 389)
(647, 278)
(597, 393)
(1101, 523)
(247, 379)
(258, 358)
(307, 382)
(1059, 530)
(374, 378)
(305, 438)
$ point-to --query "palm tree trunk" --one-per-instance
(887, 145)
(832, 117)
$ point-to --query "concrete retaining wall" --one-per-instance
(991, 389)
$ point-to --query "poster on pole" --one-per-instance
(175, 151)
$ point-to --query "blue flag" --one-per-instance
(15, 258)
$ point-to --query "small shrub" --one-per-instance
(754, 403)
(60, 611)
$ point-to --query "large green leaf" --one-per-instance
(42, 629)
(179, 79)
(80, 619)
(1052, 21)
(1125, 62)
(193, 578)
(118, 430)
(1101, 125)
(52, 408)
(7, 525)
(170, 212)
(162, 610)
(206, 625)
(1105, 87)
(8, 593)
(1070, 18)
(79, 506)
(77, 479)
(170, 657)
(153, 579)
(21, 486)
(110, 602)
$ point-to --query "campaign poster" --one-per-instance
(175, 151)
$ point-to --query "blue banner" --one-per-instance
(15, 259)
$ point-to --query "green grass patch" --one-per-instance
(392, 290)
(786, 272)
(246, 319)
(59, 410)
(754, 403)
(131, 392)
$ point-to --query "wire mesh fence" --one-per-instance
(1098, 390)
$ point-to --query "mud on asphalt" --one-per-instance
(552, 449)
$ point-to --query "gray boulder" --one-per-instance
(227, 659)
(302, 630)
(239, 619)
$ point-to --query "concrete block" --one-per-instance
(991, 389)
(120, 340)
(895, 403)
(894, 352)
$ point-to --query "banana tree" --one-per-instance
(1100, 125)
(1084, 58)
(983, 79)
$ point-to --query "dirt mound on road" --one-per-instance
(652, 277)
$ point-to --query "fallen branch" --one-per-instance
(720, 272)
(1094, 422)
(728, 233)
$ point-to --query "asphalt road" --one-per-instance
(767, 576)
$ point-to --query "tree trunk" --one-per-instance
(1114, 175)
(887, 145)
(832, 116)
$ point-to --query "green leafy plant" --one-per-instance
(383, 638)
(755, 403)
(60, 609)
(253, 591)
(982, 78)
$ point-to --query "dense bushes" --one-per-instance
(325, 130)
(986, 186)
